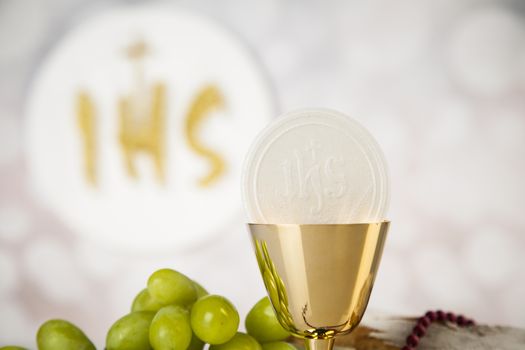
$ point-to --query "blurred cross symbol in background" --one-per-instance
(142, 124)
(142, 116)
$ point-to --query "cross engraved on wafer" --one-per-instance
(308, 176)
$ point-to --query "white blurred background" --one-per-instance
(440, 84)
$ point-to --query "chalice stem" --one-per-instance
(319, 344)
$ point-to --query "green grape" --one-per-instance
(214, 319)
(240, 341)
(12, 347)
(170, 329)
(62, 335)
(171, 287)
(130, 332)
(278, 345)
(196, 343)
(262, 324)
(200, 290)
(145, 302)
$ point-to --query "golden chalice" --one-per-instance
(319, 276)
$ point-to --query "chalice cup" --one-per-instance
(319, 276)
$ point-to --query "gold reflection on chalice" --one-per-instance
(319, 277)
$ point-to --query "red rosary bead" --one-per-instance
(413, 340)
(431, 315)
(425, 321)
(461, 320)
(419, 330)
(440, 315)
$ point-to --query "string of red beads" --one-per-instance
(420, 329)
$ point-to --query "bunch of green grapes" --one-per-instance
(175, 313)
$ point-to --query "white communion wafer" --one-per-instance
(315, 166)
